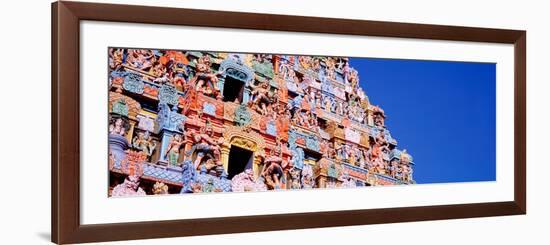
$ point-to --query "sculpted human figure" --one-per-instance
(206, 146)
(378, 116)
(245, 182)
(405, 162)
(305, 61)
(140, 58)
(130, 187)
(377, 153)
(144, 142)
(206, 82)
(331, 67)
(273, 171)
(117, 126)
(295, 178)
(160, 188)
(394, 168)
(262, 97)
(116, 57)
(308, 179)
(173, 150)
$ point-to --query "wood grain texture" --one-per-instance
(66, 17)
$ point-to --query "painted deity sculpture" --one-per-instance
(405, 161)
(116, 57)
(295, 178)
(130, 187)
(377, 153)
(308, 178)
(262, 97)
(144, 143)
(347, 181)
(206, 82)
(160, 188)
(118, 126)
(206, 149)
(245, 182)
(378, 116)
(273, 168)
(173, 150)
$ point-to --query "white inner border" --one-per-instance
(97, 208)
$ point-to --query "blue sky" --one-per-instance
(442, 112)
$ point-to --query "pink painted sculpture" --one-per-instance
(245, 182)
(130, 187)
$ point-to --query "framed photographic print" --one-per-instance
(176, 122)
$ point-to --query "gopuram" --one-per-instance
(190, 122)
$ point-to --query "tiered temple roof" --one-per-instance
(188, 121)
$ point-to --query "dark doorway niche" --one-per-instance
(233, 90)
(239, 160)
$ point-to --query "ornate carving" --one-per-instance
(170, 119)
(209, 108)
(133, 83)
(144, 143)
(245, 182)
(233, 68)
(205, 81)
(262, 65)
(168, 95)
(160, 189)
(242, 116)
(206, 151)
(116, 101)
(133, 163)
(120, 108)
(130, 187)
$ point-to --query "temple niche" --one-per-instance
(189, 122)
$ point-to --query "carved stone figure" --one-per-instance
(206, 149)
(262, 97)
(116, 56)
(130, 187)
(380, 145)
(378, 116)
(173, 150)
(144, 142)
(405, 162)
(295, 178)
(245, 182)
(206, 82)
(118, 125)
(160, 189)
(273, 170)
(308, 179)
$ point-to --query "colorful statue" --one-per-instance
(295, 178)
(118, 125)
(130, 187)
(378, 116)
(160, 189)
(173, 150)
(308, 179)
(245, 182)
(273, 170)
(331, 67)
(205, 147)
(377, 157)
(115, 58)
(144, 142)
(405, 162)
(262, 97)
(205, 81)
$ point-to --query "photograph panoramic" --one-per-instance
(205, 121)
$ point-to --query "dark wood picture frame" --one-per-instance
(65, 173)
